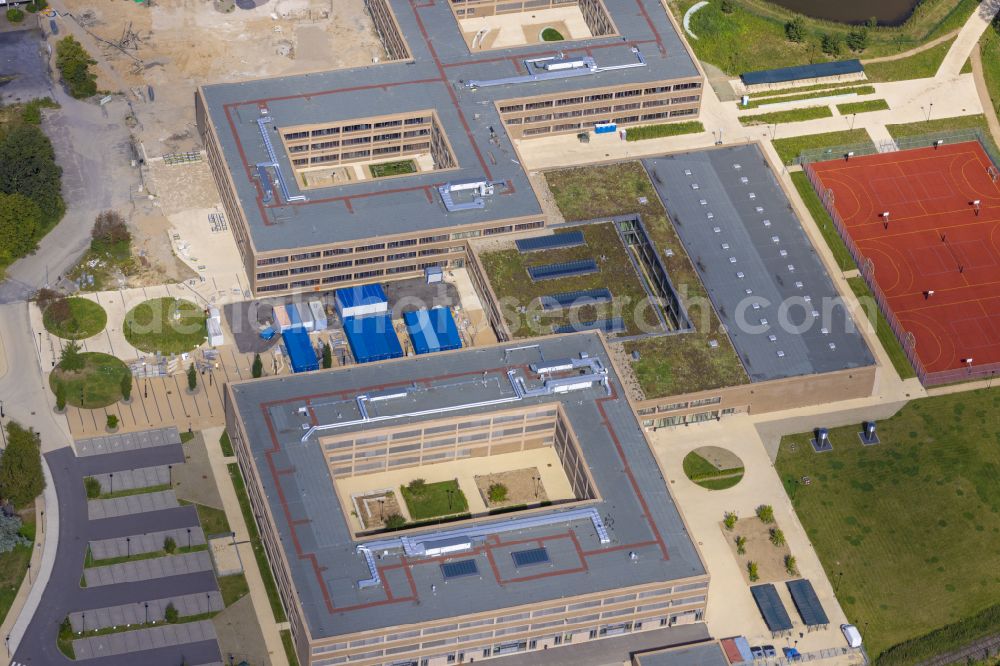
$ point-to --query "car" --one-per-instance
(852, 635)
(757, 652)
(769, 651)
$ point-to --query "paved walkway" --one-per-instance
(989, 105)
(967, 39)
(912, 52)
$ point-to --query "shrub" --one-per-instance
(257, 369)
(417, 486)
(394, 521)
(192, 375)
(70, 358)
(93, 487)
(327, 357)
(32, 113)
(20, 222)
(727, 7)
(110, 228)
(127, 387)
(74, 64)
(10, 534)
(170, 613)
(766, 513)
(741, 545)
(61, 396)
(112, 422)
(729, 520)
(795, 30)
(857, 39)
(752, 572)
(497, 492)
(830, 45)
(45, 297)
(15, 15)
(169, 545)
(777, 537)
(790, 565)
(21, 477)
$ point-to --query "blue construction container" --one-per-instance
(362, 300)
(301, 354)
(372, 338)
(432, 330)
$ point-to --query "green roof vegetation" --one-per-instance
(431, 500)
(551, 35)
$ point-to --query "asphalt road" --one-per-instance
(63, 593)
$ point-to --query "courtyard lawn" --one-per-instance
(97, 385)
(165, 325)
(85, 319)
(434, 500)
(789, 149)
(885, 335)
(665, 365)
(393, 168)
(830, 234)
(913, 522)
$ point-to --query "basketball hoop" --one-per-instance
(993, 172)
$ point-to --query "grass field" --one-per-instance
(233, 588)
(923, 65)
(862, 107)
(666, 365)
(753, 37)
(97, 385)
(830, 234)
(913, 522)
(213, 521)
(398, 168)
(789, 149)
(790, 116)
(885, 335)
(435, 499)
(166, 325)
(666, 129)
(943, 127)
(86, 319)
(707, 475)
(14, 565)
(806, 92)
(989, 47)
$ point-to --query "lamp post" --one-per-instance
(189, 538)
(128, 546)
(146, 604)
(836, 588)
(170, 474)
(111, 475)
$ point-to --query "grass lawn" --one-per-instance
(790, 116)
(666, 129)
(99, 384)
(888, 339)
(233, 588)
(286, 640)
(435, 499)
(166, 325)
(213, 521)
(989, 47)
(753, 37)
(913, 522)
(398, 168)
(707, 475)
(830, 234)
(797, 94)
(923, 65)
(551, 35)
(86, 319)
(789, 149)
(258, 547)
(666, 365)
(862, 107)
(226, 445)
(14, 565)
(943, 127)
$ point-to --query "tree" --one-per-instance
(20, 219)
(70, 358)
(60, 396)
(417, 486)
(74, 64)
(112, 422)
(28, 167)
(777, 537)
(127, 386)
(766, 513)
(729, 520)
(10, 534)
(170, 613)
(169, 545)
(45, 297)
(110, 228)
(741, 545)
(790, 565)
(753, 572)
(795, 30)
(497, 492)
(394, 521)
(857, 39)
(257, 369)
(327, 356)
(830, 44)
(192, 377)
(727, 7)
(93, 487)
(15, 15)
(21, 478)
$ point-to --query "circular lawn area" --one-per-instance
(165, 325)
(551, 35)
(74, 318)
(713, 468)
(98, 384)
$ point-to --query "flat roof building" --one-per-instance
(593, 547)
(417, 152)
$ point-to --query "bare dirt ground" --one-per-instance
(376, 508)
(770, 559)
(522, 488)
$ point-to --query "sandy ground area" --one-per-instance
(770, 559)
(524, 486)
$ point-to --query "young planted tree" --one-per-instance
(753, 572)
(497, 493)
(70, 358)
(741, 545)
(795, 30)
(257, 369)
(327, 357)
(169, 545)
(830, 45)
(170, 613)
(21, 478)
(126, 386)
(192, 374)
(791, 566)
(112, 422)
(857, 39)
(93, 487)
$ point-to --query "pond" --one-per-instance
(888, 12)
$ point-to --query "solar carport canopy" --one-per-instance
(807, 603)
(769, 603)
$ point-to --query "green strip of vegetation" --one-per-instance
(286, 640)
(697, 468)
(398, 168)
(90, 562)
(763, 101)
(258, 547)
(989, 47)
(888, 339)
(551, 35)
(790, 116)
(128, 493)
(226, 444)
(666, 129)
(74, 63)
(186, 436)
(65, 639)
(778, 92)
(944, 127)
(233, 588)
(720, 484)
(791, 148)
(862, 107)
(922, 65)
(948, 638)
(830, 234)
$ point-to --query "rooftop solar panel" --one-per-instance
(570, 268)
(523, 558)
(615, 325)
(575, 299)
(807, 603)
(459, 568)
(568, 239)
(771, 608)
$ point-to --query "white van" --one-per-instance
(852, 635)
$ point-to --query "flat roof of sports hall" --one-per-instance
(434, 79)
(762, 274)
(635, 512)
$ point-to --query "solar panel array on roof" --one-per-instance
(614, 325)
(459, 568)
(568, 269)
(771, 608)
(523, 558)
(568, 239)
(571, 299)
(807, 603)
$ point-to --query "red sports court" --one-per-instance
(926, 223)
